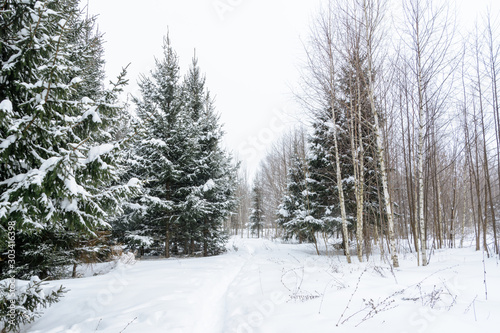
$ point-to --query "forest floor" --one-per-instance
(261, 285)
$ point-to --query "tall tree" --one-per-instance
(428, 36)
(322, 84)
(155, 156)
(210, 180)
(189, 180)
(373, 11)
(257, 217)
(56, 171)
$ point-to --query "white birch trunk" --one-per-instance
(341, 191)
(420, 175)
(332, 92)
(420, 162)
(359, 174)
(466, 203)
(361, 187)
(378, 134)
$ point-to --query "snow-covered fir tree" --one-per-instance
(211, 178)
(58, 179)
(257, 216)
(31, 298)
(188, 179)
(156, 158)
(322, 172)
(363, 182)
(298, 213)
(321, 158)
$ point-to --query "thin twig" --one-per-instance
(128, 324)
(98, 325)
(323, 295)
(474, 306)
(350, 299)
(485, 286)
(471, 303)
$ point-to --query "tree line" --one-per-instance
(401, 147)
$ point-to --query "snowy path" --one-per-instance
(211, 319)
(173, 295)
(271, 287)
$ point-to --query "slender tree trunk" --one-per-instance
(487, 184)
(369, 24)
(167, 227)
(408, 157)
(381, 214)
(73, 275)
(493, 53)
(361, 179)
(357, 158)
(332, 94)
(475, 222)
(167, 242)
(315, 240)
(465, 202)
(441, 220)
(388, 206)
(340, 189)
(205, 241)
(241, 221)
(420, 173)
(325, 240)
(453, 213)
(420, 162)
(481, 218)
(437, 209)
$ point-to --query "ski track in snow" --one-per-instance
(265, 286)
(214, 303)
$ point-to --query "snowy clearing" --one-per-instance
(266, 286)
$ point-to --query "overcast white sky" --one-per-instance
(250, 51)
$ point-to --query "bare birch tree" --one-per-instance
(323, 73)
(428, 38)
(373, 11)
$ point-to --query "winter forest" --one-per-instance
(377, 210)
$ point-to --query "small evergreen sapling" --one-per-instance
(28, 302)
(257, 211)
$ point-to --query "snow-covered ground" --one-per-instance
(266, 286)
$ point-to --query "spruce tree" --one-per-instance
(188, 179)
(257, 212)
(351, 103)
(299, 211)
(55, 163)
(159, 150)
(355, 104)
(211, 178)
(321, 161)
